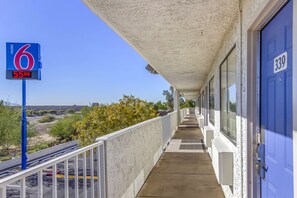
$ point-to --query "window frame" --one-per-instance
(203, 103)
(199, 104)
(209, 96)
(225, 133)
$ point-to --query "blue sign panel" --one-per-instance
(23, 61)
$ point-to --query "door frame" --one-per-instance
(266, 13)
(206, 106)
(295, 95)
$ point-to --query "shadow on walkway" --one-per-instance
(185, 169)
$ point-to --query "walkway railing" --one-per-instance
(115, 166)
(67, 174)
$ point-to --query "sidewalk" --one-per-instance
(185, 169)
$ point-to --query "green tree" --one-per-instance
(169, 94)
(104, 119)
(85, 110)
(186, 103)
(169, 97)
(160, 105)
(232, 106)
(10, 128)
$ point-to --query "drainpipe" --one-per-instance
(241, 89)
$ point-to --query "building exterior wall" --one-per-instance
(237, 36)
(231, 39)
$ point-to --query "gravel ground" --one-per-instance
(42, 129)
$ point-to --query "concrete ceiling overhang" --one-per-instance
(179, 38)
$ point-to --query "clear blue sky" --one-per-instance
(83, 59)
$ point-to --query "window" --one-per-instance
(228, 96)
(205, 106)
(211, 101)
(202, 104)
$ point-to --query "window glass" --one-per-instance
(232, 95)
(228, 96)
(211, 101)
(199, 104)
(224, 114)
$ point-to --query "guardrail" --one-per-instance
(12, 166)
(65, 175)
(115, 166)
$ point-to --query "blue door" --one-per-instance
(276, 104)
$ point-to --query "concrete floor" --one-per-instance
(185, 169)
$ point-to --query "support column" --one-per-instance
(176, 105)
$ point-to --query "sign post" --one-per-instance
(24, 126)
(23, 62)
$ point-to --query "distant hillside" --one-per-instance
(56, 107)
(10, 104)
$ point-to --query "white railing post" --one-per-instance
(85, 191)
(54, 178)
(98, 173)
(66, 178)
(76, 188)
(92, 173)
(40, 184)
(101, 173)
(3, 192)
(23, 188)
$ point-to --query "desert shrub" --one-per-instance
(46, 118)
(42, 112)
(70, 111)
(53, 111)
(64, 129)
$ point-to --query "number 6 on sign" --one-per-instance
(20, 53)
(280, 62)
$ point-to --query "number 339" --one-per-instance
(280, 62)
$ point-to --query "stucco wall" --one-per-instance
(232, 39)
(236, 37)
(132, 153)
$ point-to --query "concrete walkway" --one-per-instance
(185, 169)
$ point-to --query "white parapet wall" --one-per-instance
(131, 154)
(183, 113)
